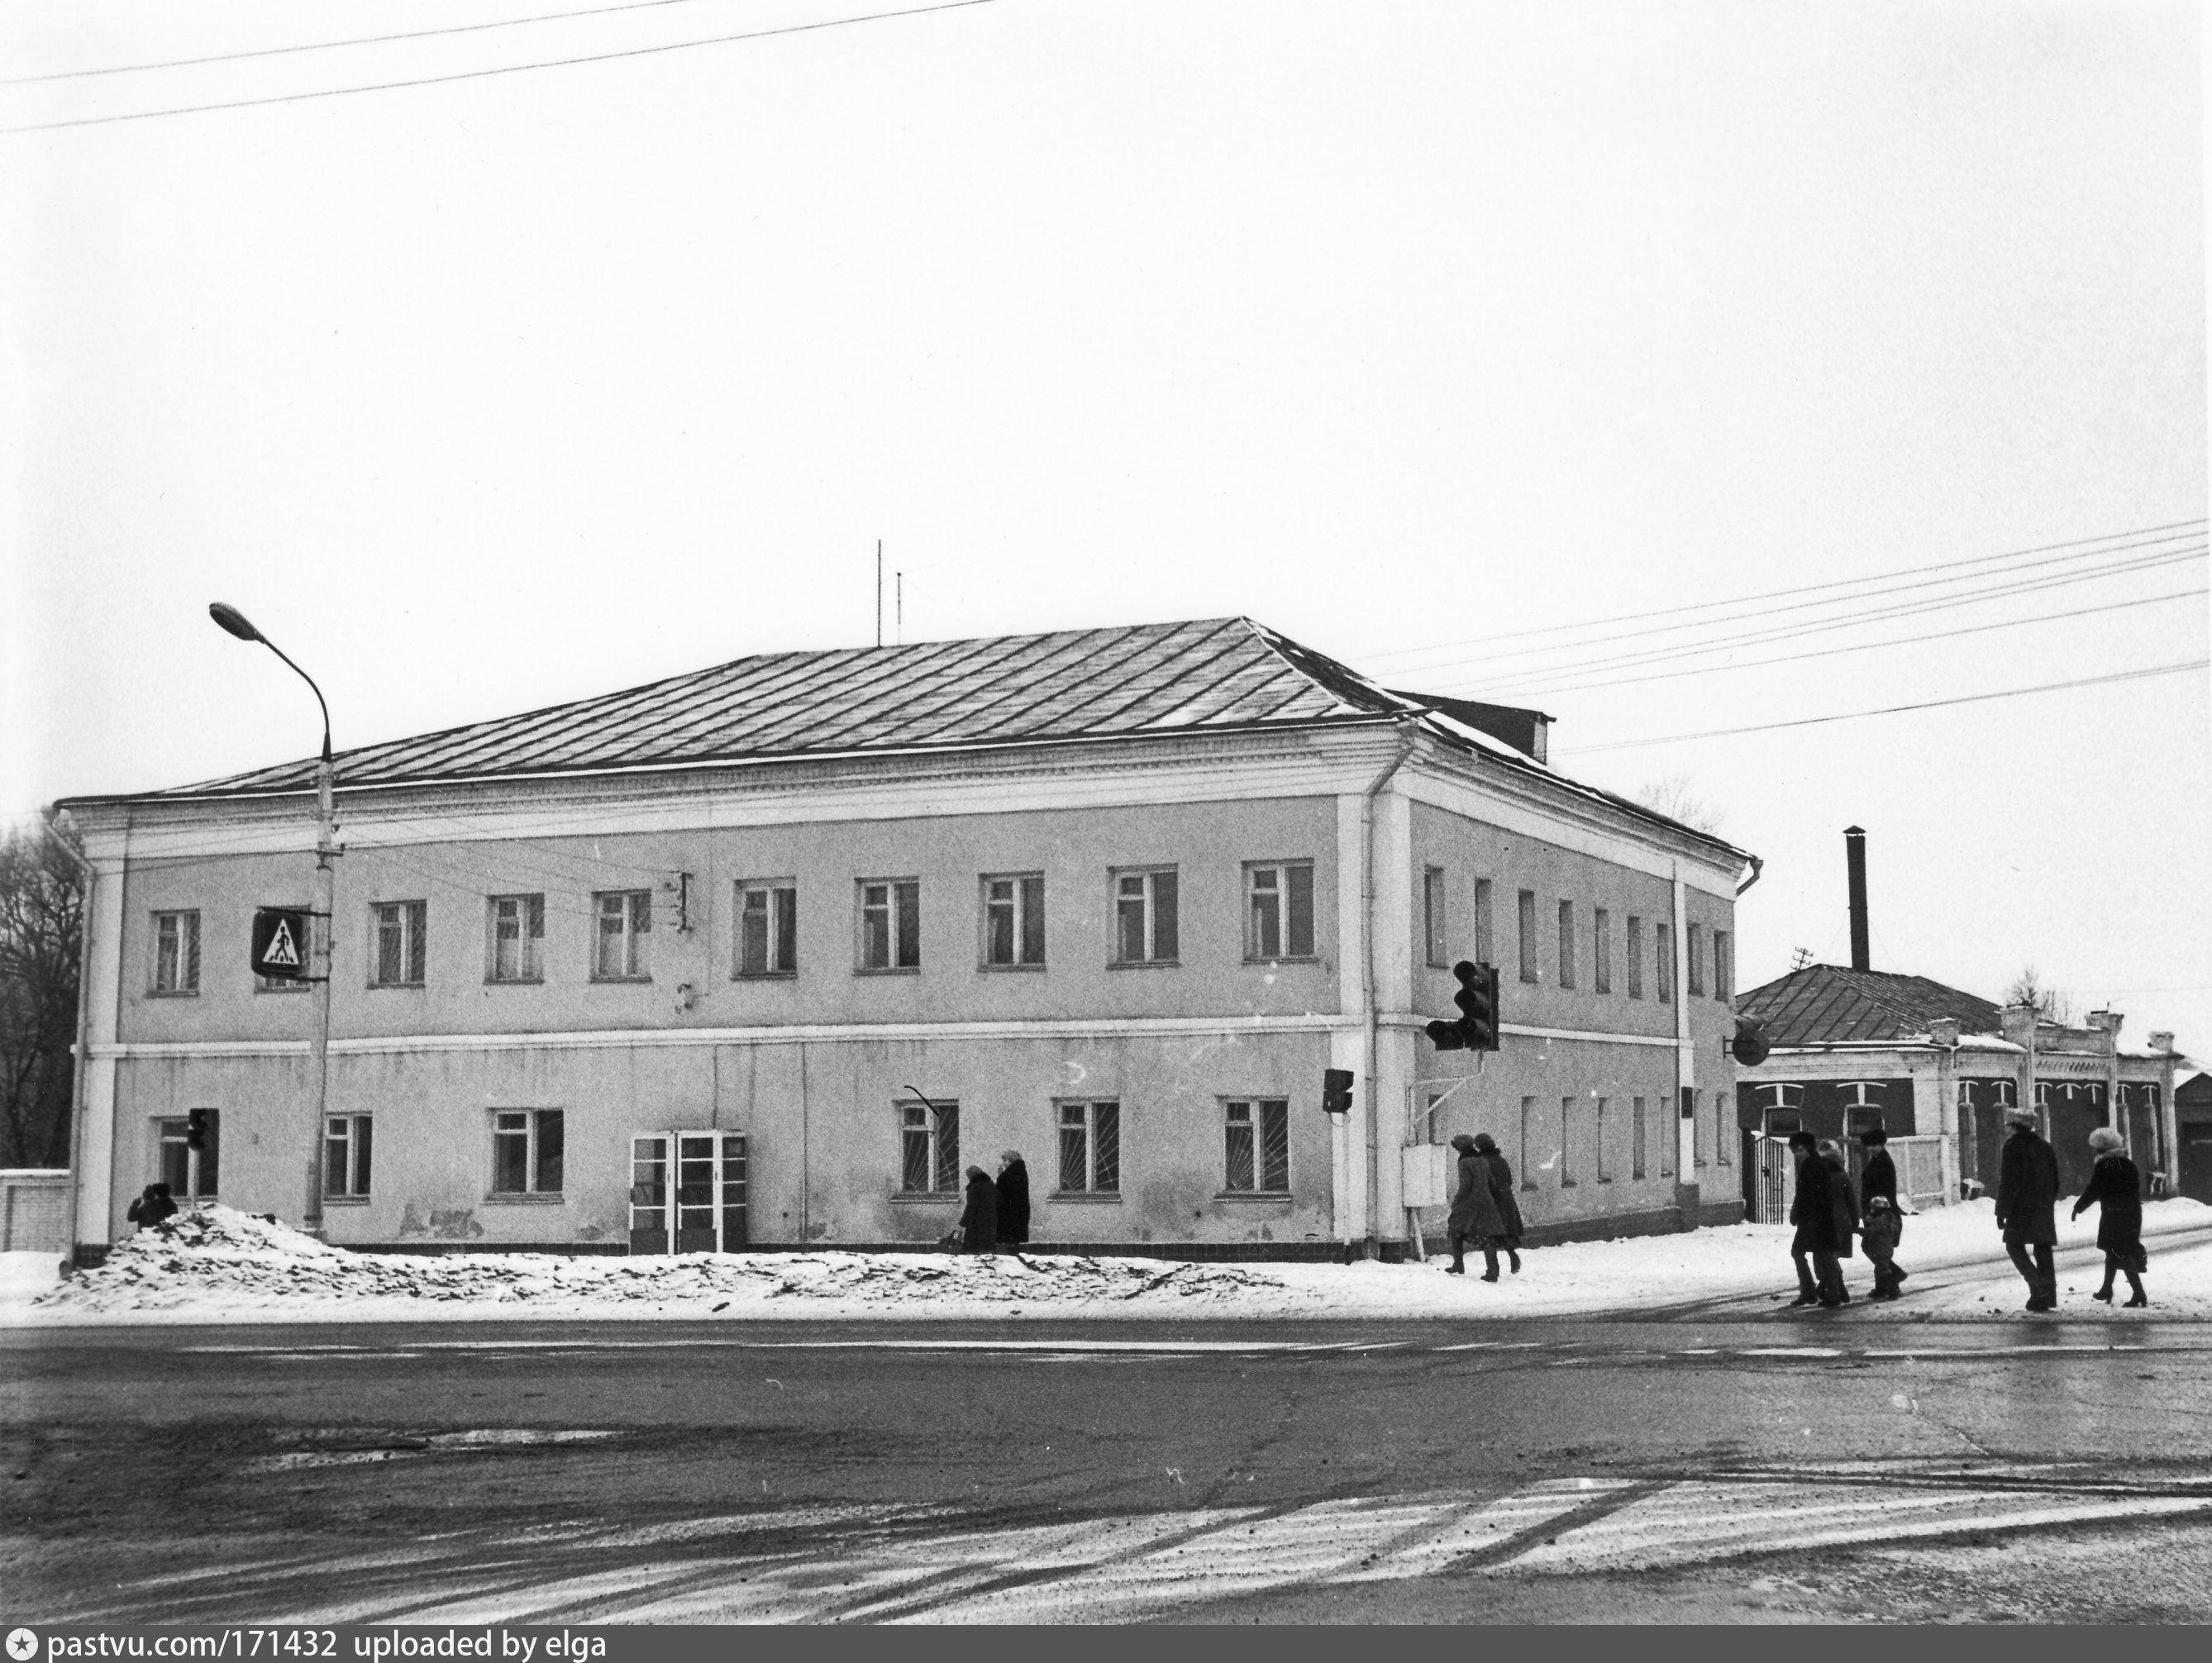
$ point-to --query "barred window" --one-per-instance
(1091, 1148)
(1257, 1145)
(929, 1148)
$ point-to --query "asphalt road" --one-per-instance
(1737, 1465)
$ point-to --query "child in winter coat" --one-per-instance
(1884, 1226)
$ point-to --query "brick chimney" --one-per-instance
(2161, 1039)
(1855, 865)
(1943, 1030)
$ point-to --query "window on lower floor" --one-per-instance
(347, 1146)
(929, 1148)
(1639, 1147)
(687, 1191)
(527, 1149)
(1567, 1143)
(1091, 1148)
(1604, 1170)
(1256, 1139)
(1527, 1138)
(191, 1155)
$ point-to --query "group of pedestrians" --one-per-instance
(998, 1210)
(1830, 1213)
(1484, 1209)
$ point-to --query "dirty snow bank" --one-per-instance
(25, 1275)
(216, 1265)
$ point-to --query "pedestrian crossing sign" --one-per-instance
(280, 943)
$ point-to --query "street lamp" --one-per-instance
(327, 850)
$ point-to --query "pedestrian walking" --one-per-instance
(978, 1223)
(152, 1207)
(2115, 1187)
(1878, 1182)
(1474, 1216)
(2028, 1199)
(1843, 1218)
(1013, 1186)
(1803, 1148)
(1501, 1191)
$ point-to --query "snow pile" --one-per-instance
(25, 1275)
(216, 1265)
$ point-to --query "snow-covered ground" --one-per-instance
(218, 1264)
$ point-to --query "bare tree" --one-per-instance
(2051, 1003)
(41, 912)
(1674, 798)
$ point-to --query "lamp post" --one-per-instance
(327, 850)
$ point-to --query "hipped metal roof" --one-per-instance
(1828, 1004)
(1150, 680)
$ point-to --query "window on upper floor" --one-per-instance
(1635, 947)
(177, 952)
(1724, 965)
(890, 924)
(1279, 910)
(1434, 922)
(514, 943)
(1013, 920)
(622, 929)
(1145, 924)
(1528, 935)
(401, 942)
(768, 928)
(1567, 943)
(1697, 956)
(1602, 952)
(1662, 962)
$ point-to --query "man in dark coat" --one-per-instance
(1501, 1192)
(1474, 1216)
(1013, 1200)
(1879, 1177)
(978, 1223)
(2027, 1198)
(1804, 1150)
(152, 1207)
(2115, 1186)
(1843, 1225)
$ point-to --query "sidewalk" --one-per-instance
(218, 1265)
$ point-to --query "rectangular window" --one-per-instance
(1090, 1148)
(890, 924)
(1724, 965)
(1662, 962)
(624, 924)
(1640, 1148)
(1567, 1143)
(1432, 917)
(929, 1148)
(1604, 1172)
(401, 943)
(1602, 952)
(1256, 1137)
(1528, 935)
(767, 929)
(1278, 912)
(1635, 956)
(346, 1148)
(1567, 943)
(1486, 940)
(1724, 1136)
(177, 955)
(517, 947)
(1697, 956)
(527, 1149)
(1698, 1149)
(1013, 920)
(1664, 1124)
(1145, 917)
(687, 1191)
(1527, 1130)
(191, 1174)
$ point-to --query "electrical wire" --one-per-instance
(1778, 594)
(333, 45)
(1892, 710)
(502, 69)
(1540, 682)
(1865, 646)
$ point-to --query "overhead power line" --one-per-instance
(1891, 710)
(1535, 684)
(333, 45)
(2150, 531)
(503, 69)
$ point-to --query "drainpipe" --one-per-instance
(1758, 866)
(81, 1060)
(1408, 734)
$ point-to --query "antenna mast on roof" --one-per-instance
(879, 591)
(898, 608)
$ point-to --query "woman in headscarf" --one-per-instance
(1474, 1215)
(2116, 1186)
(1501, 1192)
(1013, 1200)
(979, 1224)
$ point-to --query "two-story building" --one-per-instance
(770, 953)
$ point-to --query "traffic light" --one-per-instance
(1336, 1092)
(196, 1129)
(1477, 998)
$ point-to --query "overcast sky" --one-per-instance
(1395, 326)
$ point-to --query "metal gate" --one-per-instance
(1774, 1168)
(687, 1191)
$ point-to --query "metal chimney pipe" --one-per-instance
(1854, 860)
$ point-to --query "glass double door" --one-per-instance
(687, 1191)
